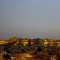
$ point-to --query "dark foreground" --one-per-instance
(49, 53)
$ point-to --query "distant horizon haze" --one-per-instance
(40, 18)
(30, 35)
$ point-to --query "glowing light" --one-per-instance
(25, 42)
(45, 43)
(27, 55)
(3, 42)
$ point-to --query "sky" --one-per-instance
(35, 17)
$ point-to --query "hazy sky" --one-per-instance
(30, 16)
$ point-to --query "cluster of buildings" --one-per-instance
(26, 41)
(38, 41)
(31, 42)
